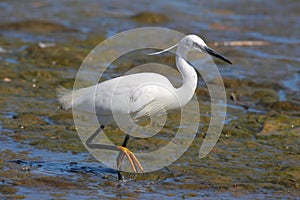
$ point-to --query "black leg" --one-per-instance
(88, 142)
(126, 139)
(99, 146)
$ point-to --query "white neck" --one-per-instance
(189, 76)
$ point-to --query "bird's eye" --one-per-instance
(197, 46)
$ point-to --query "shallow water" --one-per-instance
(257, 155)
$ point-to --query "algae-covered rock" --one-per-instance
(150, 18)
(6, 189)
(29, 119)
(265, 96)
(40, 26)
(285, 106)
(281, 125)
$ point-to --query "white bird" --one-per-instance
(141, 95)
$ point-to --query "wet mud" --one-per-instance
(41, 155)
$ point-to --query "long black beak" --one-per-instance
(216, 54)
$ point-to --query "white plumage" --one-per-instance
(140, 95)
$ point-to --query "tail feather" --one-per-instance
(64, 97)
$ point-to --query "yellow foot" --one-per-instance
(131, 157)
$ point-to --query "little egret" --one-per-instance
(139, 95)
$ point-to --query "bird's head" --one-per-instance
(195, 43)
